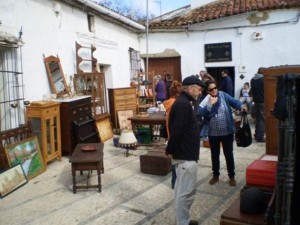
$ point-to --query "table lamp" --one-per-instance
(127, 140)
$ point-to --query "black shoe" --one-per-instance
(193, 222)
(261, 140)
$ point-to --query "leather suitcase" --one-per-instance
(155, 162)
(233, 216)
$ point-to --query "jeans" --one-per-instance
(227, 144)
(259, 121)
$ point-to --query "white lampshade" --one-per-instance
(127, 138)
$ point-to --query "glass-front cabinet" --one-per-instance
(45, 119)
(93, 84)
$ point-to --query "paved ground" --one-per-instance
(128, 196)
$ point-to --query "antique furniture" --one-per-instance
(86, 131)
(93, 84)
(146, 91)
(271, 122)
(121, 99)
(45, 119)
(85, 58)
(10, 137)
(56, 76)
(155, 162)
(127, 140)
(87, 157)
(158, 118)
(71, 110)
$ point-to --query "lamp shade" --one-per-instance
(127, 138)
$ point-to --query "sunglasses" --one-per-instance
(214, 88)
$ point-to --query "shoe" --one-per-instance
(193, 222)
(214, 180)
(261, 140)
(232, 182)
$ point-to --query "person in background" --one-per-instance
(168, 83)
(257, 88)
(175, 90)
(246, 95)
(216, 109)
(160, 88)
(226, 84)
(184, 147)
(201, 73)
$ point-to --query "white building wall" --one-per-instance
(50, 33)
(279, 45)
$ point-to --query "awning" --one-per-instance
(167, 53)
(9, 40)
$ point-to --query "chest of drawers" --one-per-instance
(73, 110)
(121, 99)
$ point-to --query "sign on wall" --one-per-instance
(218, 52)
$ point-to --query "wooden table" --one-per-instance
(87, 161)
(158, 118)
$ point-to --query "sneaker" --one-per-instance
(193, 222)
(232, 182)
(261, 140)
(213, 180)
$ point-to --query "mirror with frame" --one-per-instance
(56, 76)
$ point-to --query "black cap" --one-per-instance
(192, 80)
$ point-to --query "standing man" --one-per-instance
(257, 89)
(226, 84)
(184, 146)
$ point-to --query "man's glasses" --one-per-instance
(211, 89)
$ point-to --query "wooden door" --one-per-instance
(271, 123)
(163, 66)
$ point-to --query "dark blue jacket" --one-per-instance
(227, 85)
(184, 141)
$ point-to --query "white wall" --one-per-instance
(45, 32)
(279, 46)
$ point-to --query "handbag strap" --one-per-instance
(244, 118)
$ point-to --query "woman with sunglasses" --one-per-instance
(216, 108)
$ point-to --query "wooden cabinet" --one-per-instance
(271, 123)
(73, 110)
(45, 119)
(121, 99)
(93, 84)
(145, 90)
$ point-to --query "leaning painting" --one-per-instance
(123, 116)
(28, 154)
(12, 179)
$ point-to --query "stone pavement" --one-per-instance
(128, 196)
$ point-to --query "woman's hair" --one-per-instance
(209, 82)
(207, 76)
(175, 88)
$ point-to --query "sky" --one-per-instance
(157, 7)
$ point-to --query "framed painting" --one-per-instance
(28, 154)
(11, 180)
(123, 116)
(104, 129)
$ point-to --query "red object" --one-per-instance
(88, 148)
(261, 172)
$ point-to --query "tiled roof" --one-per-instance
(222, 9)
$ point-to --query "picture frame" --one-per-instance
(123, 116)
(27, 153)
(12, 179)
(104, 129)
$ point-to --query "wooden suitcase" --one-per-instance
(155, 162)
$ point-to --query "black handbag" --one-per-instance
(243, 136)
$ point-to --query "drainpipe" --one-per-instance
(112, 14)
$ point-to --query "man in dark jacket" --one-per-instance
(226, 84)
(184, 146)
(257, 88)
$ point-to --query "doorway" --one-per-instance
(216, 73)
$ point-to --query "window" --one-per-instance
(135, 61)
(91, 23)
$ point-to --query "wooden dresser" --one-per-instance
(72, 110)
(270, 84)
(121, 99)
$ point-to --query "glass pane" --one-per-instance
(48, 136)
(55, 134)
(36, 128)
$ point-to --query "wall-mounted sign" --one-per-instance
(219, 52)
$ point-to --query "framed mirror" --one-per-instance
(56, 76)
